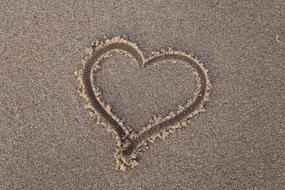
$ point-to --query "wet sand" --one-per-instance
(49, 141)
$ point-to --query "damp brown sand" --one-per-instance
(48, 141)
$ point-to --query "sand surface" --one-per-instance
(49, 141)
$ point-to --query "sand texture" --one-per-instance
(55, 71)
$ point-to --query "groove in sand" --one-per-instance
(128, 142)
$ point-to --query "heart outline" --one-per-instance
(128, 142)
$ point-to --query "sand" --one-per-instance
(49, 141)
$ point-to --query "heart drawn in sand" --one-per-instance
(130, 142)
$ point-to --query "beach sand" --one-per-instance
(49, 141)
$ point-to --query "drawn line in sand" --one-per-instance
(129, 142)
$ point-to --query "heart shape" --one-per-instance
(128, 142)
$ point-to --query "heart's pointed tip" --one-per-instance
(123, 161)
